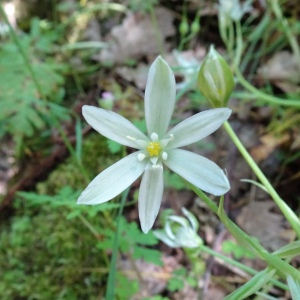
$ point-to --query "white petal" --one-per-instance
(159, 97)
(197, 127)
(192, 219)
(198, 170)
(113, 126)
(161, 235)
(150, 195)
(113, 180)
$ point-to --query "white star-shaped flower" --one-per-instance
(158, 148)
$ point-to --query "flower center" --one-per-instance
(154, 149)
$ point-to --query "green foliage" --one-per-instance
(52, 219)
(175, 284)
(40, 248)
(45, 256)
(237, 250)
(113, 146)
(22, 108)
(95, 158)
(133, 241)
(156, 298)
(66, 198)
(172, 180)
(141, 125)
(142, 6)
(179, 278)
(126, 288)
(294, 286)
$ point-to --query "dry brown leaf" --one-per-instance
(186, 293)
(267, 144)
(215, 292)
(137, 36)
(154, 278)
(258, 220)
(282, 70)
(138, 75)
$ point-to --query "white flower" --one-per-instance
(233, 9)
(189, 68)
(156, 149)
(180, 231)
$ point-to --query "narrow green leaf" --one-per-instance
(78, 131)
(289, 251)
(294, 286)
(84, 45)
(252, 286)
(244, 239)
(282, 267)
(261, 186)
(111, 282)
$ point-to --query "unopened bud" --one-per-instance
(195, 26)
(180, 231)
(184, 26)
(215, 79)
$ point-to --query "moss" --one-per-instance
(95, 158)
(44, 256)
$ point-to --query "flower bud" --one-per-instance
(180, 231)
(195, 27)
(215, 79)
(184, 26)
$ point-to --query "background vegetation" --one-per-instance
(56, 56)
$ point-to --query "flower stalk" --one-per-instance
(285, 209)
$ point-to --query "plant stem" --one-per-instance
(265, 97)
(71, 149)
(203, 197)
(111, 282)
(237, 58)
(240, 265)
(286, 210)
(239, 45)
(286, 29)
(156, 29)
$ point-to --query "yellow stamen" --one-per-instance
(154, 149)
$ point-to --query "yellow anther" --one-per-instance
(154, 149)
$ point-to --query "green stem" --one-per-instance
(184, 40)
(71, 149)
(204, 197)
(265, 97)
(94, 232)
(111, 282)
(186, 88)
(239, 45)
(240, 265)
(286, 210)
(89, 226)
(156, 30)
(23, 54)
(237, 58)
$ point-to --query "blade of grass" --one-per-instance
(111, 282)
(292, 218)
(78, 147)
(294, 287)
